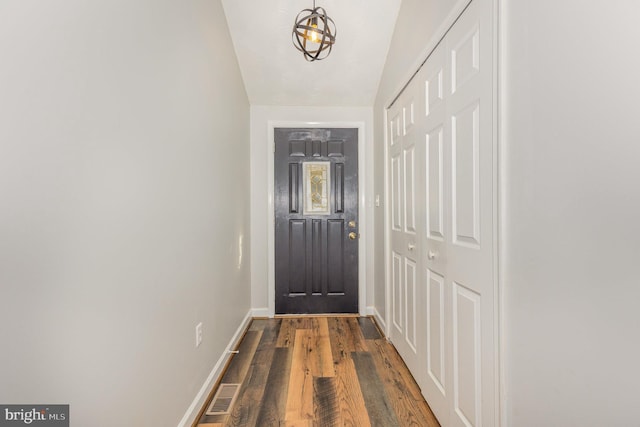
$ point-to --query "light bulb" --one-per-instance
(314, 34)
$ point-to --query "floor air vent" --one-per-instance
(223, 399)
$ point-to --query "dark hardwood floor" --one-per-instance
(320, 371)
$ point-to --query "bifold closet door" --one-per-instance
(442, 268)
(435, 376)
(469, 245)
(406, 192)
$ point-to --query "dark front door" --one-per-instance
(316, 211)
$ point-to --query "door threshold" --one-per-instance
(277, 316)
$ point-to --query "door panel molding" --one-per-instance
(397, 294)
(467, 356)
(411, 303)
(410, 190)
(434, 185)
(436, 330)
(465, 140)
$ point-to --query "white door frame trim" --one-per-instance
(363, 218)
(498, 188)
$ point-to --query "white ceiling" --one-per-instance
(275, 73)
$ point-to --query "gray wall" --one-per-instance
(124, 194)
(571, 141)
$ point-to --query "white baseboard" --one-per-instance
(194, 409)
(369, 311)
(260, 312)
(380, 320)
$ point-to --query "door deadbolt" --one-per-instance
(353, 235)
(352, 224)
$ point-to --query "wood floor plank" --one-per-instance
(379, 407)
(258, 324)
(411, 411)
(352, 410)
(237, 369)
(213, 420)
(241, 411)
(300, 394)
(242, 360)
(325, 403)
(246, 408)
(297, 423)
(341, 339)
(390, 354)
(287, 333)
(369, 329)
(359, 343)
(321, 347)
(286, 337)
(274, 400)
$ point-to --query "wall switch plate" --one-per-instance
(198, 334)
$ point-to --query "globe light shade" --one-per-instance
(314, 33)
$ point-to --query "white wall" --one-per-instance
(571, 141)
(124, 190)
(261, 116)
(419, 27)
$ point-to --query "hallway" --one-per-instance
(137, 213)
(320, 371)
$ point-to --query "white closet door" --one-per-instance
(442, 180)
(405, 169)
(435, 378)
(470, 240)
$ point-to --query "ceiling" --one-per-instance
(275, 73)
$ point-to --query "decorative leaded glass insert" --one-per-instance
(317, 184)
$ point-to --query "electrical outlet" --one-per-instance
(198, 334)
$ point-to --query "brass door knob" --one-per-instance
(353, 235)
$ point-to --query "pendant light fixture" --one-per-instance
(314, 33)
